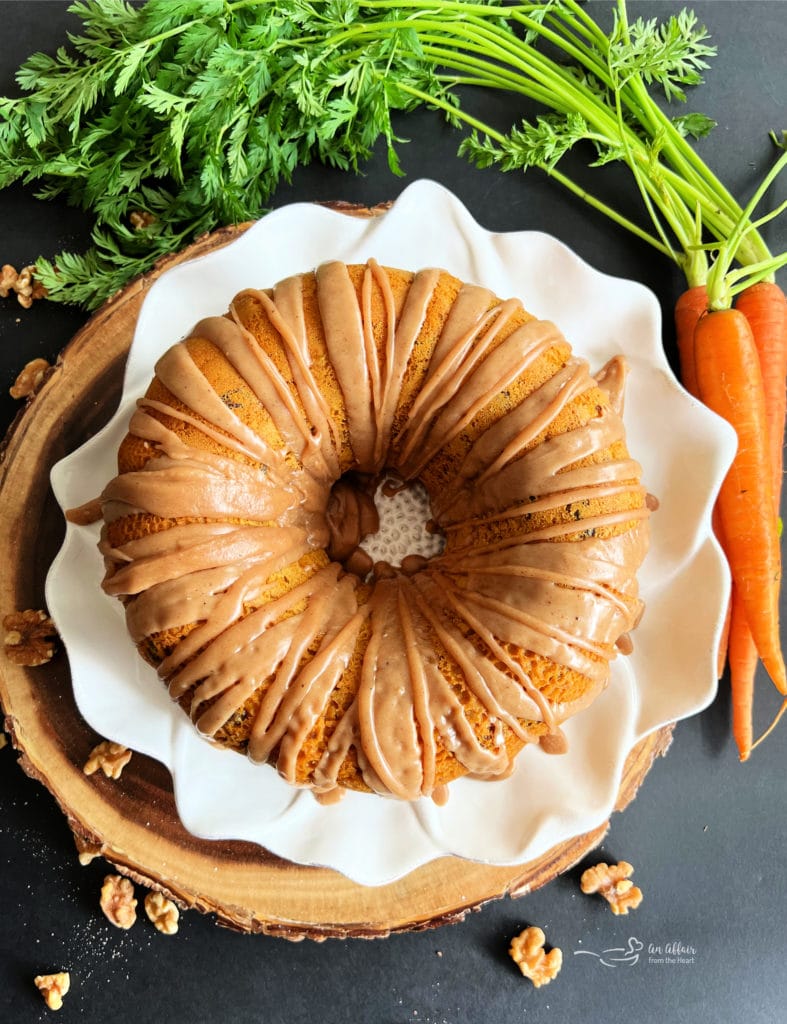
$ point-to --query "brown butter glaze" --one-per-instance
(241, 517)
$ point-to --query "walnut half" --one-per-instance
(613, 883)
(141, 219)
(527, 952)
(28, 638)
(30, 379)
(53, 987)
(162, 912)
(117, 901)
(8, 278)
(110, 757)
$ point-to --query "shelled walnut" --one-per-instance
(28, 638)
(30, 379)
(117, 901)
(527, 952)
(53, 987)
(141, 219)
(23, 283)
(162, 912)
(110, 757)
(613, 883)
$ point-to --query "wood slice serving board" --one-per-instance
(132, 822)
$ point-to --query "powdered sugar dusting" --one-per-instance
(58, 920)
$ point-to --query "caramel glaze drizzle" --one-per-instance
(570, 602)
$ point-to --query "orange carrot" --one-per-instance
(765, 308)
(743, 667)
(729, 381)
(688, 309)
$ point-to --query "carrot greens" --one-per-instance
(194, 111)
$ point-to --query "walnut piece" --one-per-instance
(23, 286)
(27, 638)
(23, 283)
(527, 952)
(53, 987)
(8, 276)
(117, 901)
(110, 757)
(30, 379)
(612, 882)
(141, 219)
(162, 912)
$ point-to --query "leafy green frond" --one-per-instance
(480, 151)
(695, 125)
(531, 144)
(105, 18)
(160, 101)
(130, 65)
(160, 16)
(195, 111)
(671, 54)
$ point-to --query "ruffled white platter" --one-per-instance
(685, 452)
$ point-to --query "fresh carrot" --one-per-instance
(729, 382)
(764, 306)
(743, 661)
(689, 308)
(691, 305)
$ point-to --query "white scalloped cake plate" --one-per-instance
(684, 450)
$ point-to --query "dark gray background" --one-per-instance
(706, 835)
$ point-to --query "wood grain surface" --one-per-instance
(133, 822)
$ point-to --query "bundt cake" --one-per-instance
(232, 531)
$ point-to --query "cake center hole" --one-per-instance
(381, 520)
